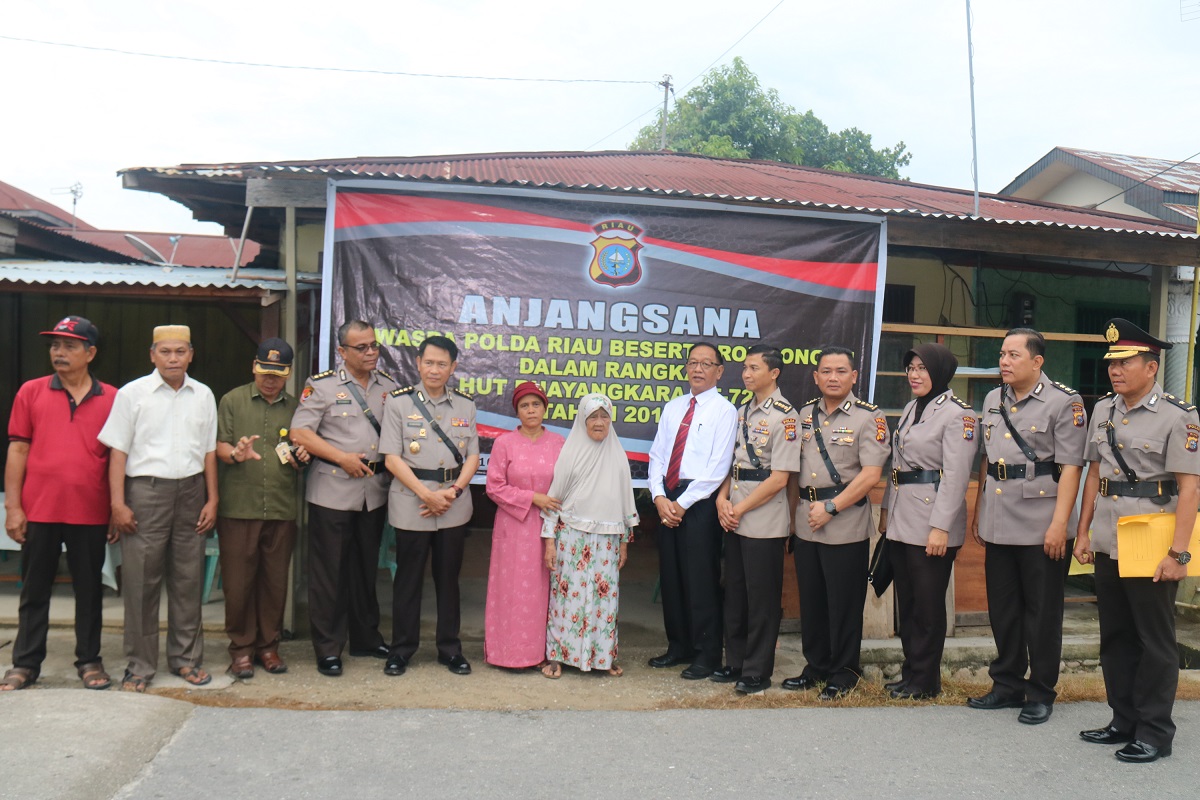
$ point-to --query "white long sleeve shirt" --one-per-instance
(708, 453)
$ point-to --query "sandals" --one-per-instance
(133, 683)
(616, 671)
(94, 676)
(193, 675)
(552, 670)
(18, 678)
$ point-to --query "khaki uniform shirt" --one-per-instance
(1052, 421)
(329, 409)
(1158, 437)
(774, 439)
(944, 439)
(406, 433)
(256, 488)
(856, 436)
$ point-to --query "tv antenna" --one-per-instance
(76, 192)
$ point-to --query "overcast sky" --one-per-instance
(1120, 76)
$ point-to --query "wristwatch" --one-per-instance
(457, 491)
(1182, 558)
(831, 508)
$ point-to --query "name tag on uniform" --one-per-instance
(411, 424)
(459, 422)
(339, 402)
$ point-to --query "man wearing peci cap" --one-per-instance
(256, 520)
(163, 480)
(1143, 454)
(56, 493)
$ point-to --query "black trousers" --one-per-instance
(689, 568)
(921, 583)
(343, 561)
(832, 579)
(412, 552)
(1025, 607)
(753, 597)
(39, 565)
(1138, 653)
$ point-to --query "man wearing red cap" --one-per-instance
(53, 456)
(1143, 450)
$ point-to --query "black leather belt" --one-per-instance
(740, 473)
(1165, 489)
(901, 477)
(826, 493)
(374, 466)
(442, 474)
(1011, 472)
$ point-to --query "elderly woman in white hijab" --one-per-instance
(587, 542)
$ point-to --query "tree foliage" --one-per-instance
(730, 115)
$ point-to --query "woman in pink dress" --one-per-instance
(518, 477)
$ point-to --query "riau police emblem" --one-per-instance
(615, 253)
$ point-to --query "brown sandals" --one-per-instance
(18, 678)
(94, 676)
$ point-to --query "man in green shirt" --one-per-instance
(256, 520)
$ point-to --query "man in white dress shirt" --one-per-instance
(689, 459)
(163, 483)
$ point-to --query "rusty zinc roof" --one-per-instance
(1160, 173)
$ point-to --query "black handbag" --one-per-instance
(879, 573)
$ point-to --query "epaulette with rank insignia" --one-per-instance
(866, 405)
(1062, 387)
(1186, 406)
(810, 402)
(962, 403)
(463, 394)
(384, 374)
(322, 375)
(401, 392)
(783, 406)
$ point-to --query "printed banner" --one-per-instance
(590, 293)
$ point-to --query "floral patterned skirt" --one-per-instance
(581, 631)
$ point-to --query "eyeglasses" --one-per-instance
(706, 365)
(916, 369)
(362, 348)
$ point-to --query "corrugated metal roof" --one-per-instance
(19, 200)
(1175, 177)
(688, 175)
(194, 250)
(99, 274)
(1187, 211)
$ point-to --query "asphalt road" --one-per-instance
(76, 744)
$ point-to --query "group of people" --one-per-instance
(157, 464)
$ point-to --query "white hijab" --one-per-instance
(591, 479)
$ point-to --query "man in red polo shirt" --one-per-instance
(56, 493)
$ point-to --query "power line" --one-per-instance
(693, 80)
(262, 65)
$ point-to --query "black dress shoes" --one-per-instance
(896, 684)
(1106, 735)
(1035, 713)
(725, 675)
(456, 664)
(396, 665)
(993, 700)
(908, 693)
(329, 665)
(696, 672)
(799, 682)
(666, 660)
(752, 685)
(833, 693)
(1141, 753)
(370, 652)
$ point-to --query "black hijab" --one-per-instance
(941, 365)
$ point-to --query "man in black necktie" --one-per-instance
(689, 459)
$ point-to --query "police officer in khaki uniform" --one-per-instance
(432, 448)
(752, 508)
(844, 445)
(337, 422)
(1143, 454)
(1034, 431)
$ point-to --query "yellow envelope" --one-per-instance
(1143, 541)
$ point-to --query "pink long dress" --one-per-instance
(518, 590)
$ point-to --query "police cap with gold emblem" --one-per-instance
(1126, 340)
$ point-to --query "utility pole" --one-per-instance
(662, 125)
(974, 145)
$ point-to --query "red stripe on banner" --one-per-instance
(490, 432)
(354, 210)
(852, 275)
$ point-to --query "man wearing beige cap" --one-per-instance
(256, 520)
(163, 482)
